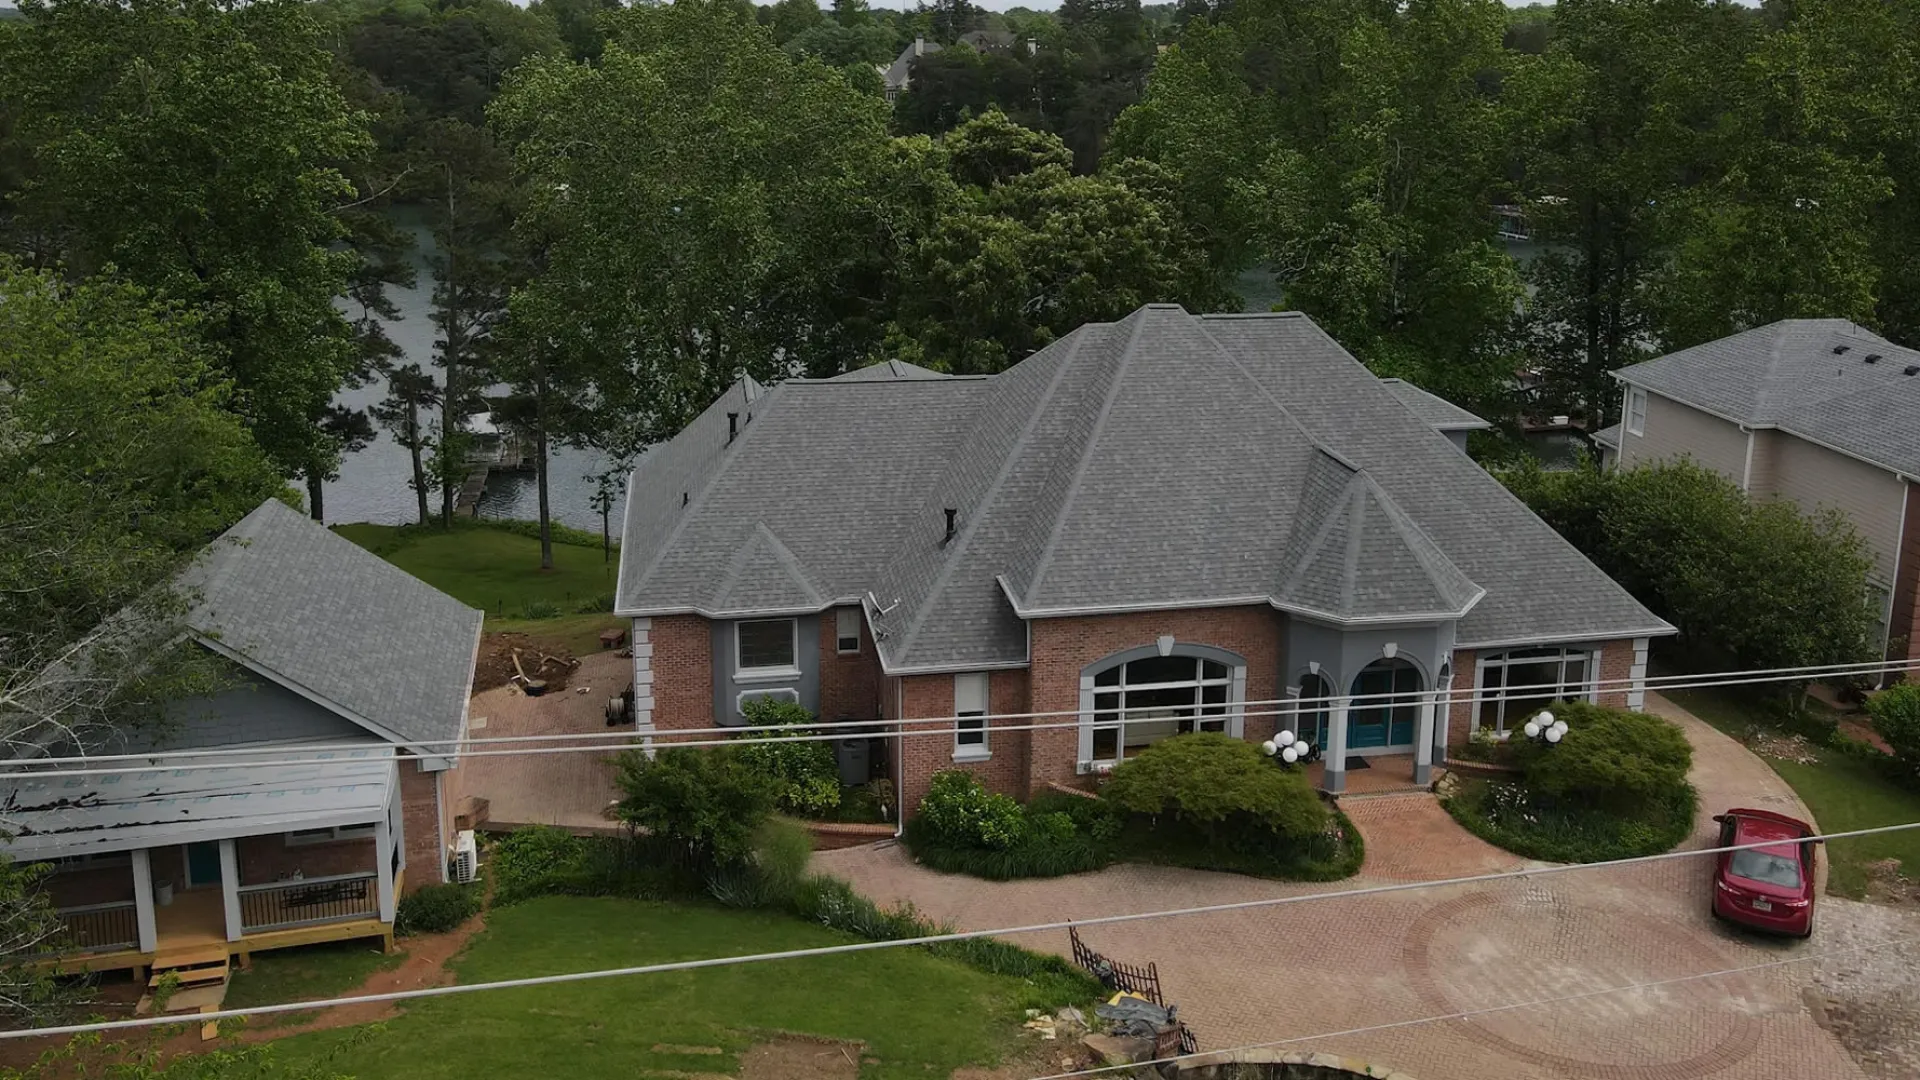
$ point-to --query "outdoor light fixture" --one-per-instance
(1286, 747)
(1544, 726)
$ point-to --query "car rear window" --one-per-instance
(1767, 869)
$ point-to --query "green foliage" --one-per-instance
(1218, 785)
(1609, 758)
(1896, 717)
(1537, 826)
(1760, 583)
(709, 803)
(774, 871)
(801, 772)
(91, 1055)
(532, 861)
(435, 909)
(959, 812)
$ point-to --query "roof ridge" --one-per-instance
(1076, 338)
(1424, 548)
(711, 478)
(1120, 367)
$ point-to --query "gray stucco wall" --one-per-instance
(728, 685)
(1342, 654)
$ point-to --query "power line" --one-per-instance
(930, 939)
(906, 727)
(1467, 1014)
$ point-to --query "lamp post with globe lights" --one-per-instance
(1545, 726)
(1288, 748)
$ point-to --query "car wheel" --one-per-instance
(1809, 931)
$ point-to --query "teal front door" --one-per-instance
(1384, 710)
(203, 864)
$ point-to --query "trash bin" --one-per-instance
(854, 758)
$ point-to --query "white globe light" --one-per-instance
(1532, 729)
(1560, 726)
(1290, 755)
(1545, 719)
(1553, 734)
(1285, 738)
(1268, 748)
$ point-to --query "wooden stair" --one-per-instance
(202, 973)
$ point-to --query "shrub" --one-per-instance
(595, 605)
(706, 803)
(958, 812)
(801, 773)
(781, 850)
(531, 861)
(1896, 717)
(435, 909)
(1608, 757)
(1528, 824)
(1217, 785)
(540, 609)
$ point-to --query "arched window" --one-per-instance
(1385, 708)
(1141, 697)
(1316, 695)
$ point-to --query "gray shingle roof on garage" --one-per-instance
(313, 611)
(1438, 413)
(1162, 461)
(1808, 377)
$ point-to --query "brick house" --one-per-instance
(329, 785)
(1818, 411)
(1160, 524)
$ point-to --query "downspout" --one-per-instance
(1746, 470)
(899, 762)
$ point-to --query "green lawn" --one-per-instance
(919, 1016)
(317, 971)
(1845, 791)
(491, 568)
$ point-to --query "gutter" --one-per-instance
(900, 762)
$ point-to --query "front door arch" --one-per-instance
(1386, 709)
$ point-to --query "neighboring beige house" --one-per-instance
(1819, 411)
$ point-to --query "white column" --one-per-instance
(1238, 693)
(1443, 720)
(1335, 779)
(143, 900)
(1086, 723)
(383, 851)
(1637, 688)
(1423, 741)
(230, 887)
(641, 640)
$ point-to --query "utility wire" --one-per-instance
(907, 728)
(927, 939)
(1468, 1014)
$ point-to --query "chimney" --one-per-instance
(733, 426)
(951, 514)
(919, 46)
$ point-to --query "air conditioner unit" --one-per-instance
(465, 864)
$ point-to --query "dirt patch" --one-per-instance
(1794, 748)
(425, 965)
(790, 1057)
(1035, 1059)
(1861, 731)
(543, 659)
(1887, 885)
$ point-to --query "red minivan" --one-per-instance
(1766, 888)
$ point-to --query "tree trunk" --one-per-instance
(419, 469)
(449, 400)
(540, 464)
(316, 499)
(606, 539)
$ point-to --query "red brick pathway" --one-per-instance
(548, 789)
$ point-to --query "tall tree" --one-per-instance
(125, 106)
(411, 395)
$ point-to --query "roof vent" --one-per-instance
(1912, 369)
(683, 498)
(733, 427)
(951, 515)
(1838, 349)
(1872, 358)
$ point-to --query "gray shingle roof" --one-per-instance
(889, 369)
(317, 612)
(1787, 375)
(1165, 460)
(1437, 412)
(1608, 436)
(900, 72)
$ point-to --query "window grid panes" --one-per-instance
(1516, 684)
(1637, 412)
(846, 630)
(1143, 701)
(766, 644)
(970, 700)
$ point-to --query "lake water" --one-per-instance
(373, 482)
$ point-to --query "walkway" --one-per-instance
(1295, 970)
(570, 790)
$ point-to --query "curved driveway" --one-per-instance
(1314, 968)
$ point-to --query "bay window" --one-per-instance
(1518, 683)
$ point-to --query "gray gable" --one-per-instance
(318, 614)
(1161, 461)
(1808, 377)
(1433, 410)
(890, 369)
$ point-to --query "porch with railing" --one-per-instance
(281, 905)
(99, 927)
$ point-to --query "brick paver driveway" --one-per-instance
(1332, 966)
(571, 789)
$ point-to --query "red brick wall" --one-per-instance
(99, 885)
(265, 859)
(929, 747)
(426, 847)
(682, 672)
(1062, 647)
(1616, 665)
(849, 682)
(1906, 586)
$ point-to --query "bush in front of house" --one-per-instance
(703, 805)
(959, 812)
(1053, 834)
(435, 909)
(1614, 787)
(1220, 789)
(534, 861)
(773, 872)
(1896, 718)
(801, 773)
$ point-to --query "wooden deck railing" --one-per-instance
(100, 927)
(281, 904)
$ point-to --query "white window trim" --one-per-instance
(1235, 680)
(362, 831)
(1501, 659)
(743, 673)
(968, 704)
(740, 699)
(1636, 397)
(841, 617)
